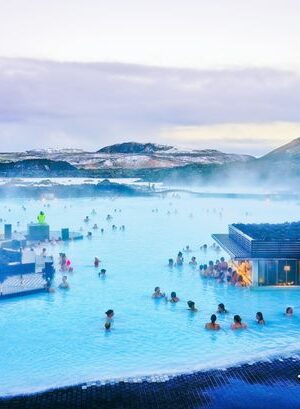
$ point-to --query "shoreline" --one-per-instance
(211, 388)
(113, 189)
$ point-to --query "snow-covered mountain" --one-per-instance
(130, 155)
(289, 151)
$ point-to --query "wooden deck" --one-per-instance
(18, 285)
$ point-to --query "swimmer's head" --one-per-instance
(109, 313)
(289, 311)
(221, 307)
(213, 318)
(173, 294)
(237, 319)
(259, 316)
(191, 304)
(156, 289)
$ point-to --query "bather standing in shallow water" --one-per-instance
(193, 262)
(179, 260)
(171, 263)
(222, 309)
(237, 323)
(191, 306)
(64, 284)
(212, 324)
(157, 293)
(260, 318)
(174, 298)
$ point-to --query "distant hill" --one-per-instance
(37, 167)
(135, 147)
(289, 151)
(152, 162)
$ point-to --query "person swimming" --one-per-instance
(289, 311)
(222, 309)
(260, 318)
(102, 272)
(191, 306)
(64, 284)
(95, 227)
(212, 324)
(237, 323)
(157, 293)
(174, 298)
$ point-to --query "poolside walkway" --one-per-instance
(267, 385)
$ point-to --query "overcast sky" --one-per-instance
(219, 74)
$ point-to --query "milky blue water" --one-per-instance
(50, 340)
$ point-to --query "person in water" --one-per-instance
(289, 311)
(107, 326)
(222, 309)
(260, 318)
(179, 260)
(240, 282)
(109, 315)
(212, 324)
(157, 293)
(96, 262)
(237, 323)
(174, 298)
(64, 284)
(191, 306)
(171, 263)
(193, 262)
(102, 272)
(187, 249)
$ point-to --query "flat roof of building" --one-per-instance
(231, 247)
(271, 232)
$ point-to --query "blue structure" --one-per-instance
(17, 278)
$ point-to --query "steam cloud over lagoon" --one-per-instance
(89, 105)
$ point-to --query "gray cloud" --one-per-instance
(94, 104)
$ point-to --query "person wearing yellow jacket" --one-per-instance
(41, 218)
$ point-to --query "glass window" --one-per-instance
(287, 272)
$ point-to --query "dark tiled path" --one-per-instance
(266, 385)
